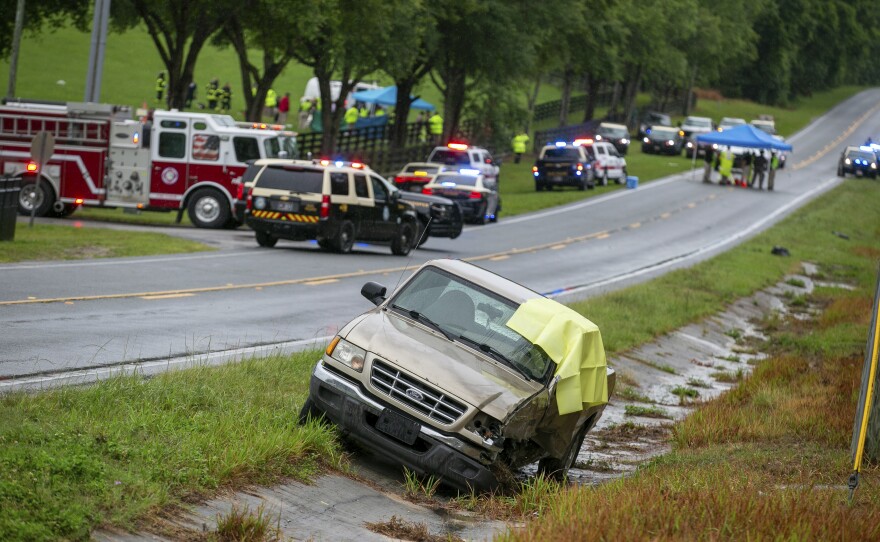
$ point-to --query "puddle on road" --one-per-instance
(657, 384)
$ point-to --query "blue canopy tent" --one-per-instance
(387, 96)
(743, 136)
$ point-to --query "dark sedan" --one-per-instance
(663, 140)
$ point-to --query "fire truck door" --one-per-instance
(169, 177)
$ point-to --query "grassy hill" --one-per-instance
(131, 65)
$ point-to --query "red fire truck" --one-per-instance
(173, 161)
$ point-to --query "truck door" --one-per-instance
(207, 159)
(169, 177)
(384, 217)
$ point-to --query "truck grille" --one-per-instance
(415, 394)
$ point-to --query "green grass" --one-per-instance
(48, 242)
(646, 412)
(75, 458)
(148, 218)
(131, 64)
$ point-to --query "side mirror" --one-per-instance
(374, 292)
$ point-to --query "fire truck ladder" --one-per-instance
(66, 130)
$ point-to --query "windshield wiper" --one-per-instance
(419, 317)
(483, 347)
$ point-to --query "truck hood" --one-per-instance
(448, 365)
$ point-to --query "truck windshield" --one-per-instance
(449, 156)
(612, 132)
(473, 316)
(294, 179)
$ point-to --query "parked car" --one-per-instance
(609, 164)
(692, 127)
(476, 194)
(437, 378)
(663, 140)
(462, 156)
(562, 164)
(415, 175)
(653, 118)
(858, 162)
(730, 122)
(616, 134)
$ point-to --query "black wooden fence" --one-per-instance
(564, 133)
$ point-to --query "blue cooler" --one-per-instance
(632, 182)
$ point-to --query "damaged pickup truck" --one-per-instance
(464, 375)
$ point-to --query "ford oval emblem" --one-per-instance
(415, 394)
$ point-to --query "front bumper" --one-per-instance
(568, 178)
(433, 453)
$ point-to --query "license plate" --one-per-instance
(397, 426)
(859, 173)
(656, 147)
(451, 193)
(288, 206)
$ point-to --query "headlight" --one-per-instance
(847, 161)
(259, 203)
(670, 142)
(347, 354)
(690, 145)
(624, 141)
(873, 165)
(646, 140)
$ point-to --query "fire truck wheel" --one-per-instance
(266, 239)
(208, 208)
(344, 237)
(41, 196)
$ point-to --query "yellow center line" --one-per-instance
(166, 296)
(635, 225)
(665, 215)
(321, 281)
(852, 128)
(327, 279)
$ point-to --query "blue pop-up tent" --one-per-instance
(746, 136)
(387, 97)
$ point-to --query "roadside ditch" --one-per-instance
(658, 383)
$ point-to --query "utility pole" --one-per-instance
(16, 45)
(96, 51)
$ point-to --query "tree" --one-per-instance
(339, 39)
(261, 25)
(42, 14)
(179, 30)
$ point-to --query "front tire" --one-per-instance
(557, 469)
(39, 195)
(265, 239)
(310, 411)
(208, 208)
(402, 243)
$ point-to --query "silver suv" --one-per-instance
(436, 377)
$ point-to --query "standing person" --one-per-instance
(519, 144)
(270, 104)
(435, 127)
(748, 159)
(211, 93)
(380, 112)
(363, 110)
(283, 108)
(760, 169)
(305, 110)
(225, 98)
(709, 156)
(725, 165)
(351, 117)
(774, 165)
(160, 86)
(190, 94)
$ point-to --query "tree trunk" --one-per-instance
(532, 101)
(632, 90)
(565, 100)
(687, 103)
(615, 100)
(453, 98)
(328, 119)
(591, 88)
(401, 112)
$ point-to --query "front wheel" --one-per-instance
(265, 239)
(402, 243)
(35, 195)
(208, 208)
(557, 469)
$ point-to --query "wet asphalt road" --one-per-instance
(105, 313)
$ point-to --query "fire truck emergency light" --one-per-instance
(31, 166)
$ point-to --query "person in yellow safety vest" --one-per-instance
(211, 93)
(270, 103)
(351, 117)
(379, 111)
(519, 144)
(435, 127)
(774, 165)
(364, 111)
(160, 86)
(725, 165)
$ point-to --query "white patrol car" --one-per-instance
(609, 164)
(476, 194)
(463, 156)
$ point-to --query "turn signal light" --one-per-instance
(78, 201)
(31, 166)
(332, 346)
(534, 169)
(475, 195)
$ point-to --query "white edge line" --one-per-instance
(708, 248)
